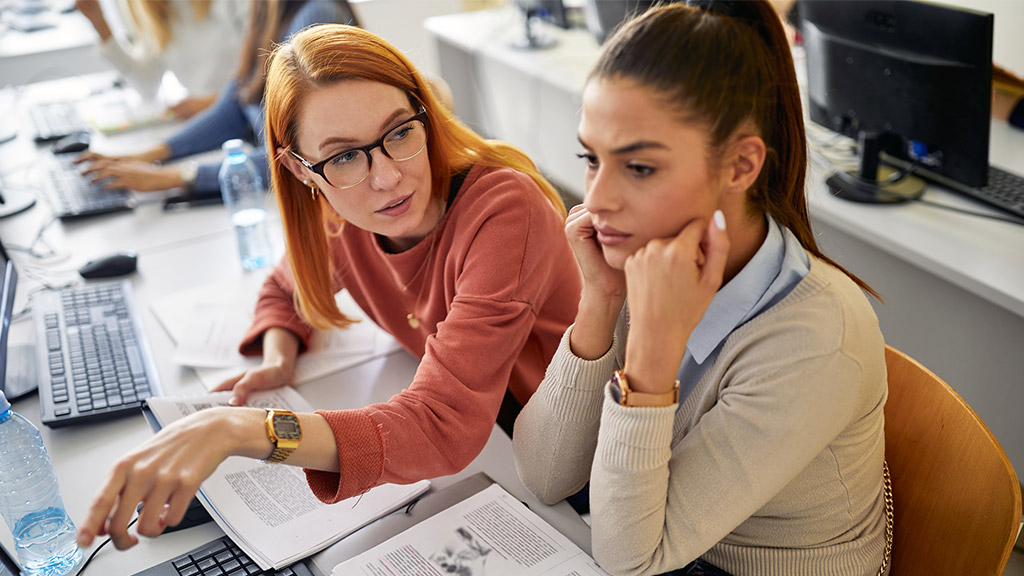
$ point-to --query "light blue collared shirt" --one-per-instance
(777, 267)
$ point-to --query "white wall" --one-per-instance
(400, 22)
(1008, 43)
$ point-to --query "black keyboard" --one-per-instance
(54, 120)
(75, 196)
(1004, 190)
(220, 557)
(93, 358)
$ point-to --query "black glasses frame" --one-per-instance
(318, 168)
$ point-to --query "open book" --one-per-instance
(488, 534)
(268, 509)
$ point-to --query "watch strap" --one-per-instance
(629, 397)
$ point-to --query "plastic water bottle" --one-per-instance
(30, 500)
(243, 192)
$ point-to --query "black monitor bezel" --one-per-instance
(861, 54)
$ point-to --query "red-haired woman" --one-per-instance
(739, 426)
(451, 243)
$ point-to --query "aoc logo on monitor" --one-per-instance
(882, 20)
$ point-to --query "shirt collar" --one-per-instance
(776, 267)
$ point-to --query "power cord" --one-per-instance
(100, 547)
(919, 198)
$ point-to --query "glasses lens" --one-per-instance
(406, 140)
(347, 169)
(401, 143)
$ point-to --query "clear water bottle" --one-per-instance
(243, 192)
(44, 535)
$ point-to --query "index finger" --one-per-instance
(229, 383)
(99, 511)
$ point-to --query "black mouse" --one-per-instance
(109, 266)
(74, 142)
(195, 515)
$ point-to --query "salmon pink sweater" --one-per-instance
(499, 292)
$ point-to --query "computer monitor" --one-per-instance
(911, 80)
(603, 16)
(17, 366)
(552, 11)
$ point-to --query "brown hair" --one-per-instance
(325, 55)
(268, 19)
(727, 66)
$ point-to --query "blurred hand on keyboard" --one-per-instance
(132, 174)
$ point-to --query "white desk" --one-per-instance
(177, 252)
(953, 284)
(58, 52)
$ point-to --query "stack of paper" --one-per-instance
(268, 509)
(207, 324)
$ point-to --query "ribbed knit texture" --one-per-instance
(493, 302)
(772, 465)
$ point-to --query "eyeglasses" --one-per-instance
(350, 167)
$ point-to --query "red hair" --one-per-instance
(322, 56)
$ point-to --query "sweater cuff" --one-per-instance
(572, 385)
(360, 457)
(635, 436)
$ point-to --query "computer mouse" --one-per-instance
(109, 266)
(74, 142)
(195, 515)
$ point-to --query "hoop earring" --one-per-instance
(312, 189)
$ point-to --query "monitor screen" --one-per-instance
(8, 282)
(915, 77)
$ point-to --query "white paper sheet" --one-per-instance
(488, 534)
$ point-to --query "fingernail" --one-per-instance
(233, 401)
(719, 219)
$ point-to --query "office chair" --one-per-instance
(956, 497)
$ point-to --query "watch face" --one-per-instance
(286, 426)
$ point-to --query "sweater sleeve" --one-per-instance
(556, 433)
(143, 72)
(275, 308)
(222, 121)
(515, 255)
(775, 414)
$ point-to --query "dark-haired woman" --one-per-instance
(722, 387)
(236, 113)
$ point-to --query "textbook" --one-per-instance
(488, 534)
(268, 510)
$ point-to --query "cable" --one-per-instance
(817, 154)
(100, 547)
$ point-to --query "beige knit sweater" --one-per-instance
(772, 465)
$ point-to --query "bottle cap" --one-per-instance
(233, 146)
(4, 404)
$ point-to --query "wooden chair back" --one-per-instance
(956, 497)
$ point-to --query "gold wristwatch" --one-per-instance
(284, 432)
(628, 397)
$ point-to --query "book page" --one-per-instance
(268, 509)
(488, 534)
